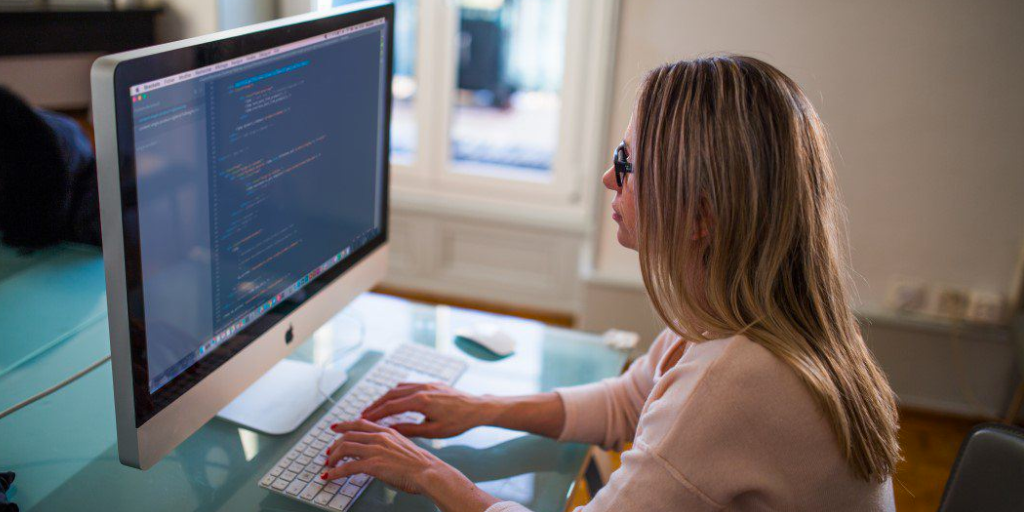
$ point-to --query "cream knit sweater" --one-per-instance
(727, 427)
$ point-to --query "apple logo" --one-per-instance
(289, 335)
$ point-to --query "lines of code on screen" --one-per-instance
(251, 179)
(289, 166)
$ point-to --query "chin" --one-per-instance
(625, 239)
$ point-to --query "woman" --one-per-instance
(761, 394)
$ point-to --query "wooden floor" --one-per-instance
(930, 443)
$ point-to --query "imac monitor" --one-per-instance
(244, 201)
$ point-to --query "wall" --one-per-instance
(186, 18)
(922, 100)
(61, 81)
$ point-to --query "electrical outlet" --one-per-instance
(951, 302)
(908, 296)
(986, 307)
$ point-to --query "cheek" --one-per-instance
(628, 203)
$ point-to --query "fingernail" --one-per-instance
(328, 451)
(323, 476)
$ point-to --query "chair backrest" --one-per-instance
(988, 473)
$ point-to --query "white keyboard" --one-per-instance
(297, 474)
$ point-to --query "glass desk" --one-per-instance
(63, 448)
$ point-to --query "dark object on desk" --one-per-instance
(6, 479)
(48, 188)
(75, 29)
(988, 473)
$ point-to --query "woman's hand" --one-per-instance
(381, 452)
(447, 412)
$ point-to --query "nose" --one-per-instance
(608, 179)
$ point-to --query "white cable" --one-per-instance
(53, 389)
(344, 353)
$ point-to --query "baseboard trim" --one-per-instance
(550, 317)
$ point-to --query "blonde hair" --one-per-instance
(739, 231)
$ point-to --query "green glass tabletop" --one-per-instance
(63, 448)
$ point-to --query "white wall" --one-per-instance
(924, 102)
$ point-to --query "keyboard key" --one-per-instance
(318, 444)
(311, 452)
(304, 460)
(276, 471)
(323, 498)
(350, 490)
(310, 491)
(295, 487)
(339, 502)
(295, 467)
(267, 480)
(279, 484)
(332, 488)
(292, 454)
(359, 479)
(287, 476)
(306, 476)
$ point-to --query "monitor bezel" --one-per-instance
(158, 65)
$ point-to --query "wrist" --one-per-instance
(489, 410)
(454, 492)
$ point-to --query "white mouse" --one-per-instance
(490, 337)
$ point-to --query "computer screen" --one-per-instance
(254, 176)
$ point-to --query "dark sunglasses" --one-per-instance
(622, 166)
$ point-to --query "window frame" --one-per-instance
(429, 183)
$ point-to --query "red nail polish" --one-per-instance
(323, 476)
(328, 451)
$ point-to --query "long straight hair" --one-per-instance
(739, 228)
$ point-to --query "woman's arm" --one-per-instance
(603, 413)
(449, 412)
(542, 414)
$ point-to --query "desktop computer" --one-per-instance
(244, 201)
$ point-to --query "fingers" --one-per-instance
(399, 391)
(348, 469)
(413, 402)
(361, 425)
(346, 447)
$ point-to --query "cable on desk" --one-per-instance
(55, 343)
(65, 382)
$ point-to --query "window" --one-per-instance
(500, 100)
(403, 87)
(511, 57)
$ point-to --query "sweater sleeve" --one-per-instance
(606, 413)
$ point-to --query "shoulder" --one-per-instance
(741, 378)
(734, 391)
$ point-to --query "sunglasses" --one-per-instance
(622, 166)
